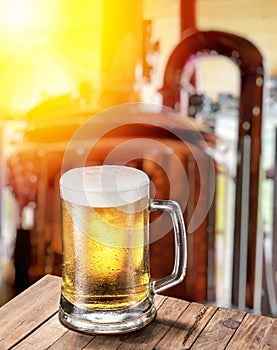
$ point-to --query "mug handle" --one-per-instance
(180, 262)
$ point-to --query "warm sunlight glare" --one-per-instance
(18, 14)
(20, 17)
(48, 48)
(51, 49)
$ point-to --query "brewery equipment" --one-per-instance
(246, 286)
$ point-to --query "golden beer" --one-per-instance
(105, 255)
(106, 285)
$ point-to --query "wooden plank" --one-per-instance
(30, 322)
(103, 342)
(148, 337)
(270, 338)
(220, 329)
(28, 310)
(23, 300)
(187, 328)
(255, 332)
(71, 340)
(43, 337)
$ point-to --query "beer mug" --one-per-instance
(106, 283)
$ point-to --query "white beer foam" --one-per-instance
(104, 186)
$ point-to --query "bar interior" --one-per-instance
(204, 75)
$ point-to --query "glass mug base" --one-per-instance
(106, 321)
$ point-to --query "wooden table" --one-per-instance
(30, 321)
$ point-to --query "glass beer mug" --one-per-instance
(106, 284)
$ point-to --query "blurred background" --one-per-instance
(215, 61)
